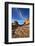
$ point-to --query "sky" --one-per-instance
(20, 14)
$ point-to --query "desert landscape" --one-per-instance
(20, 31)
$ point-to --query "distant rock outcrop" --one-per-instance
(26, 22)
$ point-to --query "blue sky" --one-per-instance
(20, 14)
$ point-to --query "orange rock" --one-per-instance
(26, 22)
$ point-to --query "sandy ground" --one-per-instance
(21, 32)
